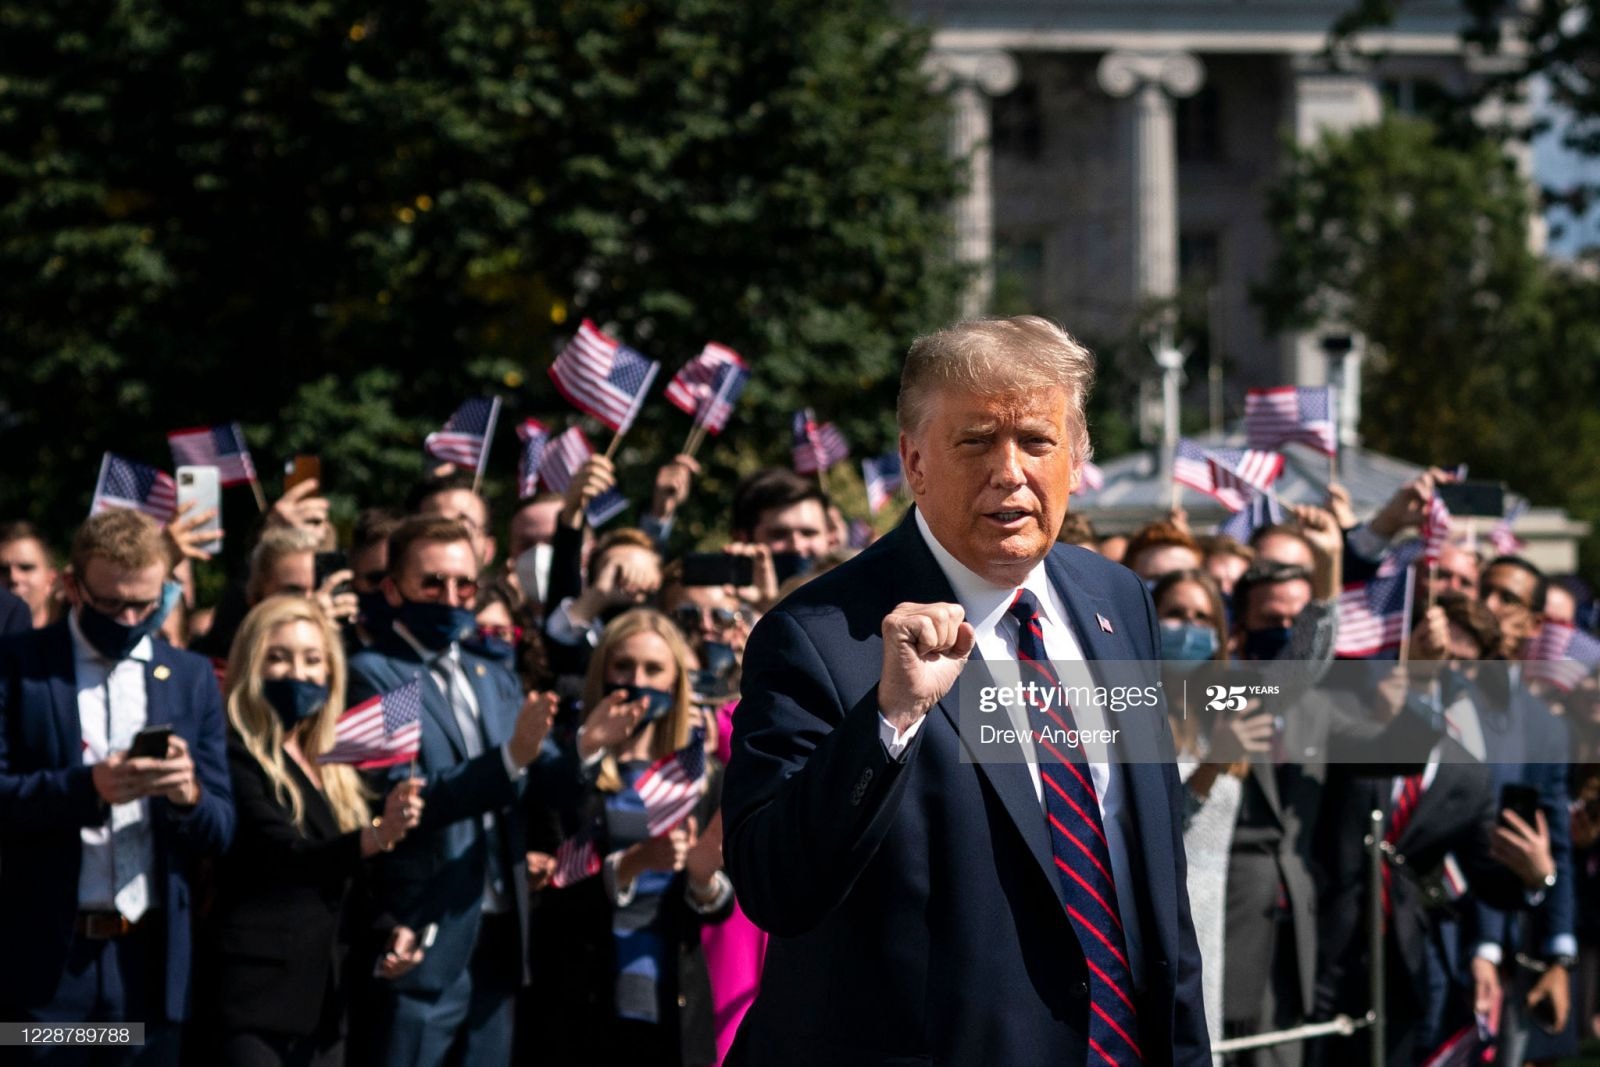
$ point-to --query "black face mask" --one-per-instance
(436, 626)
(115, 640)
(658, 702)
(1265, 644)
(295, 701)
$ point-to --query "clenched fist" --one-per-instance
(925, 646)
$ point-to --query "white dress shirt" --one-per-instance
(986, 607)
(117, 872)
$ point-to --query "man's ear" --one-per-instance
(70, 588)
(391, 592)
(911, 463)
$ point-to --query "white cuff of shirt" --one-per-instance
(1490, 951)
(620, 897)
(1367, 543)
(561, 628)
(1561, 945)
(724, 891)
(513, 772)
(895, 742)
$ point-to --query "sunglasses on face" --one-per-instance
(436, 584)
(688, 617)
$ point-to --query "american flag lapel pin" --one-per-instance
(1105, 623)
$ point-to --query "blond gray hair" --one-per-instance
(276, 543)
(998, 357)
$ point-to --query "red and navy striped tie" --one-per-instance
(1399, 818)
(1083, 860)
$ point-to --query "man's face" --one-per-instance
(799, 528)
(1280, 548)
(1164, 559)
(991, 475)
(1508, 591)
(467, 508)
(369, 566)
(126, 594)
(293, 575)
(1457, 572)
(1276, 606)
(1225, 569)
(25, 570)
(533, 525)
(706, 612)
(436, 572)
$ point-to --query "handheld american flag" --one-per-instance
(562, 458)
(1191, 466)
(466, 435)
(221, 447)
(126, 484)
(709, 385)
(602, 376)
(534, 438)
(1373, 615)
(576, 859)
(1435, 530)
(816, 447)
(670, 787)
(883, 477)
(380, 732)
(1561, 655)
(1259, 510)
(1285, 413)
(1236, 473)
(1501, 535)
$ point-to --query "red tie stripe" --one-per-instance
(1404, 807)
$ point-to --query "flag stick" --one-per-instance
(261, 498)
(1433, 575)
(488, 442)
(1405, 613)
(697, 436)
(611, 449)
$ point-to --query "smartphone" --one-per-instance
(717, 568)
(302, 469)
(1522, 799)
(150, 743)
(789, 564)
(327, 563)
(1473, 498)
(202, 486)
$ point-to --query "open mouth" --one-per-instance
(1008, 518)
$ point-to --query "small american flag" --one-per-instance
(1238, 472)
(1285, 413)
(709, 385)
(670, 787)
(124, 483)
(1259, 510)
(1092, 477)
(883, 477)
(816, 447)
(1505, 542)
(1191, 466)
(562, 458)
(380, 732)
(1561, 655)
(602, 376)
(576, 859)
(1372, 615)
(465, 437)
(221, 447)
(534, 438)
(1435, 530)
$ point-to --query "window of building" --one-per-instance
(1017, 129)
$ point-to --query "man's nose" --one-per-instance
(1007, 470)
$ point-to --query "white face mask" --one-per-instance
(533, 572)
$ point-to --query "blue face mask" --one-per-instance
(294, 701)
(658, 702)
(1187, 642)
(115, 640)
(436, 626)
(1265, 644)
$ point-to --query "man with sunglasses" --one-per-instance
(101, 840)
(462, 872)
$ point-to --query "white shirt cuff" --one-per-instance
(621, 896)
(513, 772)
(895, 742)
(724, 891)
(1561, 945)
(561, 628)
(1488, 950)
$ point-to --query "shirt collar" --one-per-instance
(424, 653)
(982, 600)
(144, 651)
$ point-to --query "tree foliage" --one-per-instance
(333, 221)
(1485, 354)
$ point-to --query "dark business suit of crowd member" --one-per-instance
(915, 905)
(60, 966)
(15, 618)
(276, 943)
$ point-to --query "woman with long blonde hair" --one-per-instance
(633, 986)
(277, 939)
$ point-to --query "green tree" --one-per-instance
(1484, 353)
(333, 221)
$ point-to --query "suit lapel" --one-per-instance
(490, 712)
(61, 678)
(157, 686)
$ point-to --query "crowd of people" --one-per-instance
(253, 903)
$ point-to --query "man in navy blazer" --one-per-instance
(927, 906)
(462, 872)
(100, 847)
(14, 615)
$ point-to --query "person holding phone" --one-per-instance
(626, 976)
(279, 937)
(102, 847)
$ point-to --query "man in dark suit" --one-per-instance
(925, 905)
(461, 872)
(14, 615)
(100, 845)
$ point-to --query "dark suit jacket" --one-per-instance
(436, 875)
(15, 618)
(275, 939)
(915, 908)
(47, 796)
